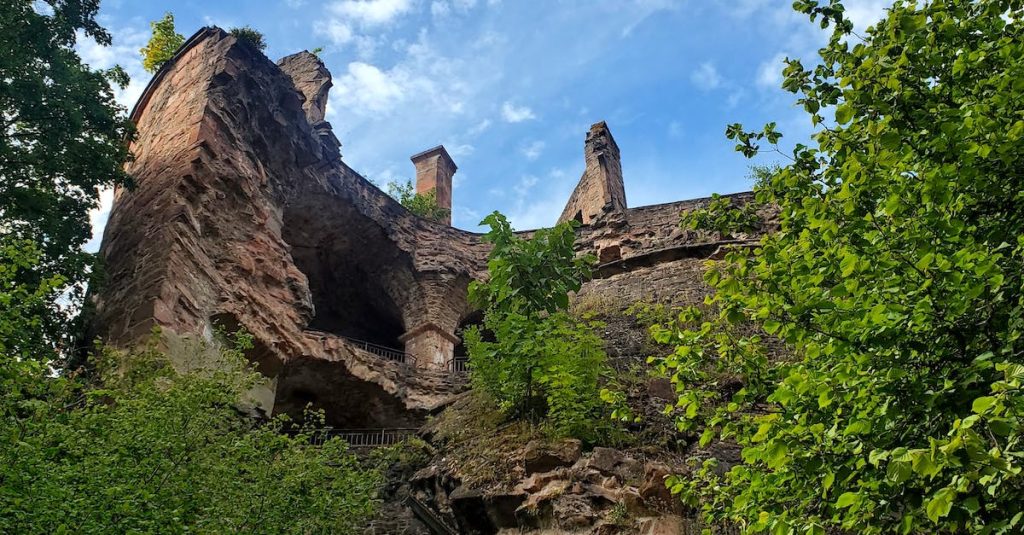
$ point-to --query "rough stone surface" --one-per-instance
(539, 457)
(245, 216)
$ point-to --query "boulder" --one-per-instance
(544, 457)
(470, 511)
(501, 508)
(612, 462)
(653, 490)
(662, 525)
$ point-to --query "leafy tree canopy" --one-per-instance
(162, 46)
(896, 284)
(63, 138)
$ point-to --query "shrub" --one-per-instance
(422, 204)
(140, 447)
(248, 35)
(536, 360)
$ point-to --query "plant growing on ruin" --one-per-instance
(536, 360)
(163, 44)
(422, 204)
(63, 138)
(895, 283)
(247, 34)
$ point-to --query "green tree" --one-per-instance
(63, 138)
(534, 358)
(894, 283)
(248, 35)
(162, 46)
(422, 204)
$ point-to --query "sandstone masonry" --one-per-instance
(245, 216)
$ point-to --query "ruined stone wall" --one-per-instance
(244, 213)
(600, 190)
(226, 163)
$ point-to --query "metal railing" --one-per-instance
(387, 353)
(364, 438)
(458, 365)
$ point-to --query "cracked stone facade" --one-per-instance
(245, 214)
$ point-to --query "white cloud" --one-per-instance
(371, 12)
(366, 86)
(459, 150)
(514, 114)
(769, 73)
(480, 127)
(533, 150)
(124, 51)
(706, 76)
(337, 31)
(864, 13)
(637, 11)
(442, 8)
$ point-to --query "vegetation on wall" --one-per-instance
(895, 283)
(422, 204)
(532, 356)
(248, 35)
(163, 44)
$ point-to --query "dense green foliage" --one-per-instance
(248, 35)
(894, 286)
(422, 204)
(63, 137)
(145, 449)
(162, 46)
(533, 357)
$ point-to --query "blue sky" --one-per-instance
(510, 87)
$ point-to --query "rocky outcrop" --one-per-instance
(603, 491)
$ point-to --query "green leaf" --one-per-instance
(847, 499)
(940, 504)
(983, 404)
(844, 113)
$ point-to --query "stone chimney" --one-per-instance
(600, 190)
(434, 171)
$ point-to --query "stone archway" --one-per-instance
(362, 284)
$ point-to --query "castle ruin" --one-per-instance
(244, 215)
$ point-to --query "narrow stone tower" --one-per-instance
(434, 171)
(600, 190)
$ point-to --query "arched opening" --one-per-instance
(361, 282)
(347, 401)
